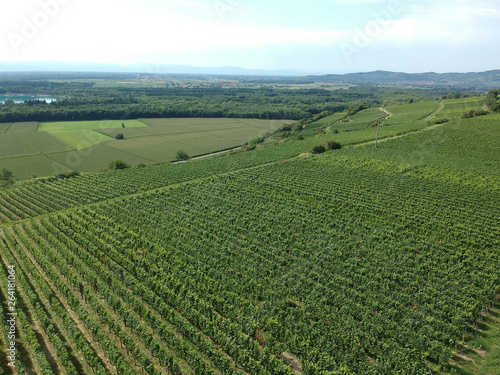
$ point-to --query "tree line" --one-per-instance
(82, 101)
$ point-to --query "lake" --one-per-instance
(23, 98)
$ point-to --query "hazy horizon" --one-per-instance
(322, 36)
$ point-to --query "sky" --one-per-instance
(313, 36)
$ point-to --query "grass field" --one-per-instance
(53, 127)
(83, 134)
(4, 126)
(29, 143)
(90, 145)
(19, 127)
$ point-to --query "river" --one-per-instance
(23, 98)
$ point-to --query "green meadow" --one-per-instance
(82, 134)
(47, 148)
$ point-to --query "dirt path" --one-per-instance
(436, 111)
(208, 155)
(428, 128)
(389, 114)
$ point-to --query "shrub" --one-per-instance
(6, 178)
(117, 164)
(333, 145)
(257, 140)
(438, 121)
(473, 113)
(182, 155)
(297, 128)
(285, 135)
(119, 136)
(318, 149)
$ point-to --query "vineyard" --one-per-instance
(356, 261)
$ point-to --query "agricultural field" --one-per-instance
(414, 112)
(454, 109)
(271, 261)
(89, 146)
(18, 127)
(83, 134)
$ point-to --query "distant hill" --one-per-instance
(58, 66)
(489, 79)
(473, 80)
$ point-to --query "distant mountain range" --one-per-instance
(58, 66)
(473, 80)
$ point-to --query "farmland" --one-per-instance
(49, 148)
(355, 261)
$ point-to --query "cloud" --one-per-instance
(190, 31)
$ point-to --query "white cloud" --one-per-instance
(174, 30)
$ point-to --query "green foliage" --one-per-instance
(452, 95)
(333, 145)
(297, 128)
(182, 155)
(6, 178)
(257, 140)
(382, 238)
(119, 136)
(474, 113)
(355, 108)
(438, 121)
(117, 164)
(493, 100)
(318, 149)
(68, 174)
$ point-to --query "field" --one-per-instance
(454, 109)
(19, 127)
(271, 261)
(87, 146)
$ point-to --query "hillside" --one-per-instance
(361, 260)
(473, 80)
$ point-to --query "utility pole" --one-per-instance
(378, 125)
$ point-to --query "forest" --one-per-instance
(82, 99)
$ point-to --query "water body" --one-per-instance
(23, 98)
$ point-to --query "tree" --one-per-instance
(318, 149)
(119, 136)
(6, 178)
(333, 145)
(117, 164)
(182, 155)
